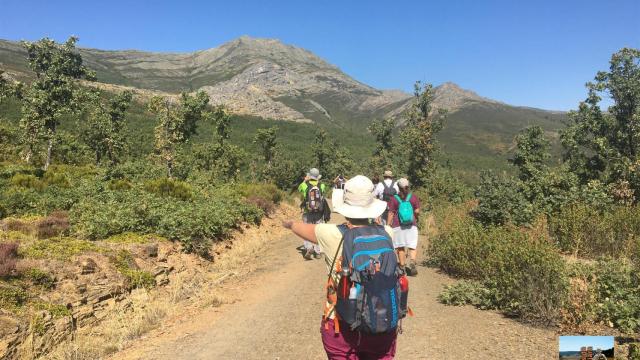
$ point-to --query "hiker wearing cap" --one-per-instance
(360, 260)
(385, 190)
(313, 206)
(404, 209)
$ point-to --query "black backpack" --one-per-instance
(314, 199)
(389, 191)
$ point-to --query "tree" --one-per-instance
(176, 125)
(500, 201)
(53, 94)
(382, 130)
(6, 89)
(418, 143)
(103, 126)
(192, 111)
(267, 140)
(222, 120)
(322, 149)
(605, 146)
(532, 150)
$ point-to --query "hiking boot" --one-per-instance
(411, 269)
(307, 254)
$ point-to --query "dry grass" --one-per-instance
(53, 225)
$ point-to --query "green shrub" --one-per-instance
(445, 184)
(194, 223)
(524, 273)
(136, 278)
(501, 201)
(618, 291)
(132, 238)
(264, 191)
(12, 297)
(585, 230)
(119, 184)
(40, 278)
(62, 248)
(169, 188)
(58, 179)
(56, 310)
(468, 292)
(28, 182)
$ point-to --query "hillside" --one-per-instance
(264, 78)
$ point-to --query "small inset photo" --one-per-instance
(586, 347)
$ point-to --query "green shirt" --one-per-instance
(302, 188)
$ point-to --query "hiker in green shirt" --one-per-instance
(312, 192)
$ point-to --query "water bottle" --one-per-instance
(404, 292)
(345, 284)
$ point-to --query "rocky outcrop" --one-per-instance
(89, 288)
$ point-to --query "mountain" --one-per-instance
(268, 79)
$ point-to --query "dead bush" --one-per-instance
(53, 225)
(267, 206)
(11, 224)
(8, 258)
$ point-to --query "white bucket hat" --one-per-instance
(358, 201)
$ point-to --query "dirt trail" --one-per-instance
(277, 316)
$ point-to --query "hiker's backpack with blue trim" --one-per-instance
(405, 210)
(369, 261)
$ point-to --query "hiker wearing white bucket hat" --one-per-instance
(343, 339)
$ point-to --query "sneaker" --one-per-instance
(307, 254)
(316, 255)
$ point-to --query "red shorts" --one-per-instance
(352, 345)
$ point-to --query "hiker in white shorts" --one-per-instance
(404, 209)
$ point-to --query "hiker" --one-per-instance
(338, 189)
(355, 326)
(404, 209)
(338, 182)
(313, 205)
(385, 190)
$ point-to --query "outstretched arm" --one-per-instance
(305, 231)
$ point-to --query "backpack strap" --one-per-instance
(328, 311)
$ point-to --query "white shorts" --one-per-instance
(405, 237)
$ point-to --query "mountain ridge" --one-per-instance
(255, 76)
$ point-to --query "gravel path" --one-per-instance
(277, 316)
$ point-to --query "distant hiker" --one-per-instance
(366, 290)
(313, 207)
(404, 209)
(338, 182)
(385, 190)
(338, 189)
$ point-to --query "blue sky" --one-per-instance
(573, 343)
(532, 53)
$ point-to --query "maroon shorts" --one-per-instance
(352, 345)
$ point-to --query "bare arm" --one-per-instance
(305, 231)
(390, 216)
